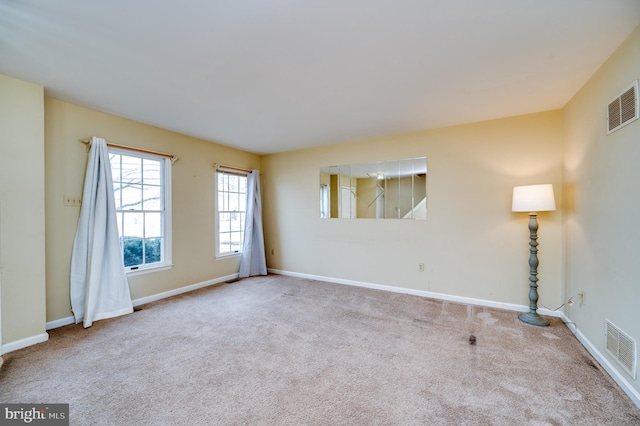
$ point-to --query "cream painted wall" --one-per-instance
(22, 235)
(603, 200)
(471, 243)
(192, 195)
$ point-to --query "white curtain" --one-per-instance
(253, 260)
(99, 287)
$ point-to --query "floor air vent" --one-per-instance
(621, 347)
(623, 109)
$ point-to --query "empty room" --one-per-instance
(319, 212)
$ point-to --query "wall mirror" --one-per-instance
(395, 189)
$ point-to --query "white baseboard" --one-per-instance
(23, 343)
(186, 289)
(604, 362)
(153, 298)
(422, 293)
(60, 322)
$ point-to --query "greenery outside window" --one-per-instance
(141, 186)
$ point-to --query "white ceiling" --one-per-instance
(277, 75)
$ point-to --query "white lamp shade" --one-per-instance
(533, 198)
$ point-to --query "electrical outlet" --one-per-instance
(72, 200)
(421, 267)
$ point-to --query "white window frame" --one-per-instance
(324, 201)
(166, 262)
(220, 171)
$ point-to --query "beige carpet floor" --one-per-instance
(279, 350)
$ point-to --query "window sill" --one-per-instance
(227, 255)
(149, 269)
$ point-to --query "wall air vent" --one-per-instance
(623, 109)
(621, 347)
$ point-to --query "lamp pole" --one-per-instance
(532, 316)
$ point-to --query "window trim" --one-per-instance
(325, 195)
(167, 262)
(218, 172)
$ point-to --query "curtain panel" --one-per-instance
(98, 283)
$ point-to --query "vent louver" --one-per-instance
(621, 347)
(623, 109)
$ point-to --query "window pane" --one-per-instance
(225, 242)
(243, 184)
(133, 224)
(223, 205)
(236, 241)
(131, 197)
(233, 183)
(132, 248)
(153, 250)
(151, 197)
(117, 193)
(131, 169)
(221, 181)
(224, 222)
(152, 225)
(115, 167)
(236, 222)
(151, 171)
(233, 202)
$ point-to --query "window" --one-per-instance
(324, 201)
(141, 186)
(231, 211)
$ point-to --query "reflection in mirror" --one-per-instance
(394, 189)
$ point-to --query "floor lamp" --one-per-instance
(533, 199)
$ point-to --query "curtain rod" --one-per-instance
(172, 157)
(222, 166)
